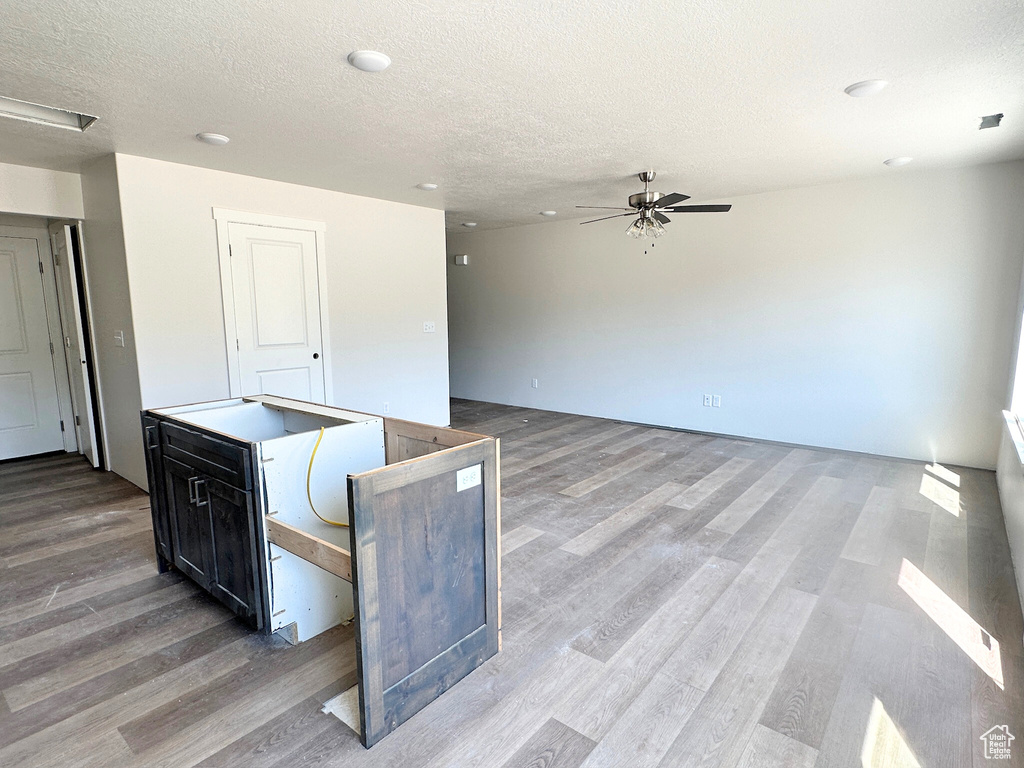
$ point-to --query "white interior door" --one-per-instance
(277, 311)
(74, 340)
(29, 411)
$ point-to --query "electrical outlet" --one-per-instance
(707, 401)
(533, 383)
(428, 326)
(387, 407)
(716, 401)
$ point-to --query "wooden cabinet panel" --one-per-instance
(425, 570)
(235, 581)
(157, 494)
(190, 522)
(214, 457)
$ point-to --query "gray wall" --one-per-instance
(385, 276)
(874, 315)
(107, 274)
(1010, 479)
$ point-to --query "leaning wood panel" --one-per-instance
(429, 434)
(321, 553)
(425, 570)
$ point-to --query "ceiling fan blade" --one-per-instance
(616, 216)
(699, 209)
(672, 199)
(606, 207)
(662, 217)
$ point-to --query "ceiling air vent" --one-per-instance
(990, 121)
(37, 113)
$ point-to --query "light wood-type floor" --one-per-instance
(670, 599)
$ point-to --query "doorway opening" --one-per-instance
(48, 382)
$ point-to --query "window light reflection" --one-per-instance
(884, 746)
(979, 645)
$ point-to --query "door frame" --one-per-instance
(54, 328)
(224, 217)
(99, 413)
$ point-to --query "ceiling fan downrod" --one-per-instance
(646, 199)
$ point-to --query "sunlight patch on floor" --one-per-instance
(942, 473)
(979, 645)
(884, 746)
(939, 493)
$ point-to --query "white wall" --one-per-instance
(119, 392)
(873, 315)
(1010, 480)
(40, 192)
(385, 274)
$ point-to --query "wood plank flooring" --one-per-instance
(670, 599)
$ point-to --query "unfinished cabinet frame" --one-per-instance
(418, 570)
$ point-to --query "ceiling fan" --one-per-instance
(650, 209)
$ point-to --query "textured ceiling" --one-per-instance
(514, 108)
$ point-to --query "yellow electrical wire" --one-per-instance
(309, 473)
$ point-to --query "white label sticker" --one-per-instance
(467, 478)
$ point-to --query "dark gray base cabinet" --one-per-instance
(205, 513)
(417, 571)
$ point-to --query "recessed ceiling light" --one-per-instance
(426, 187)
(896, 162)
(469, 224)
(37, 113)
(549, 213)
(369, 61)
(865, 88)
(217, 139)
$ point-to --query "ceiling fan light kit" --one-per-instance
(645, 226)
(650, 208)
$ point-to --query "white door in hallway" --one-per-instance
(277, 311)
(29, 411)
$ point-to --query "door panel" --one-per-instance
(190, 522)
(294, 380)
(155, 479)
(29, 410)
(234, 548)
(424, 571)
(277, 311)
(74, 340)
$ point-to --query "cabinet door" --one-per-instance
(190, 522)
(233, 525)
(157, 495)
(425, 575)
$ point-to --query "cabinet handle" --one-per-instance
(204, 502)
(149, 443)
(193, 496)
